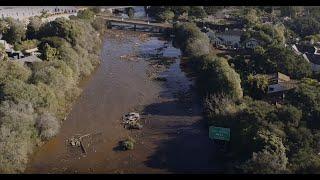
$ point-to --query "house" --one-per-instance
(32, 52)
(230, 38)
(279, 82)
(310, 53)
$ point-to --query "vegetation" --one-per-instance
(166, 13)
(265, 138)
(130, 12)
(34, 99)
(27, 44)
(15, 31)
(128, 144)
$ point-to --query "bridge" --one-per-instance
(112, 21)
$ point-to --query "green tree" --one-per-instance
(87, 14)
(197, 12)
(33, 27)
(257, 85)
(166, 16)
(49, 53)
(219, 77)
(130, 12)
(290, 115)
(16, 32)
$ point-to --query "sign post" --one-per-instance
(219, 133)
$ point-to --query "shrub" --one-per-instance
(219, 77)
(24, 45)
(128, 144)
(86, 14)
(47, 125)
(12, 70)
(17, 135)
(166, 16)
(197, 47)
(33, 27)
(16, 32)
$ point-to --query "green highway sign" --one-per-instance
(219, 133)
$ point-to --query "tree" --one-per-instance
(33, 27)
(257, 85)
(49, 53)
(166, 16)
(16, 32)
(251, 17)
(179, 10)
(291, 11)
(48, 125)
(307, 97)
(219, 77)
(130, 12)
(197, 12)
(28, 44)
(211, 10)
(17, 135)
(271, 159)
(305, 26)
(285, 61)
(290, 115)
(197, 47)
(86, 14)
(10, 71)
(3, 54)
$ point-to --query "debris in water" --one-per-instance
(131, 119)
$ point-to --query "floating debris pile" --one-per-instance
(131, 119)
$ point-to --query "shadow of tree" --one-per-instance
(189, 150)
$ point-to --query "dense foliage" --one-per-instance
(34, 99)
(265, 137)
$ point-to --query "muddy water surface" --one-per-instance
(174, 137)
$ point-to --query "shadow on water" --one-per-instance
(185, 152)
(188, 148)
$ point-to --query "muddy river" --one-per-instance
(174, 138)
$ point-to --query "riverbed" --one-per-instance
(174, 137)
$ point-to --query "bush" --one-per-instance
(47, 125)
(290, 115)
(128, 144)
(17, 135)
(33, 27)
(10, 70)
(86, 14)
(197, 47)
(24, 45)
(16, 32)
(219, 77)
(166, 16)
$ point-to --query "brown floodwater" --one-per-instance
(174, 138)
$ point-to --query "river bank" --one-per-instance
(171, 115)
